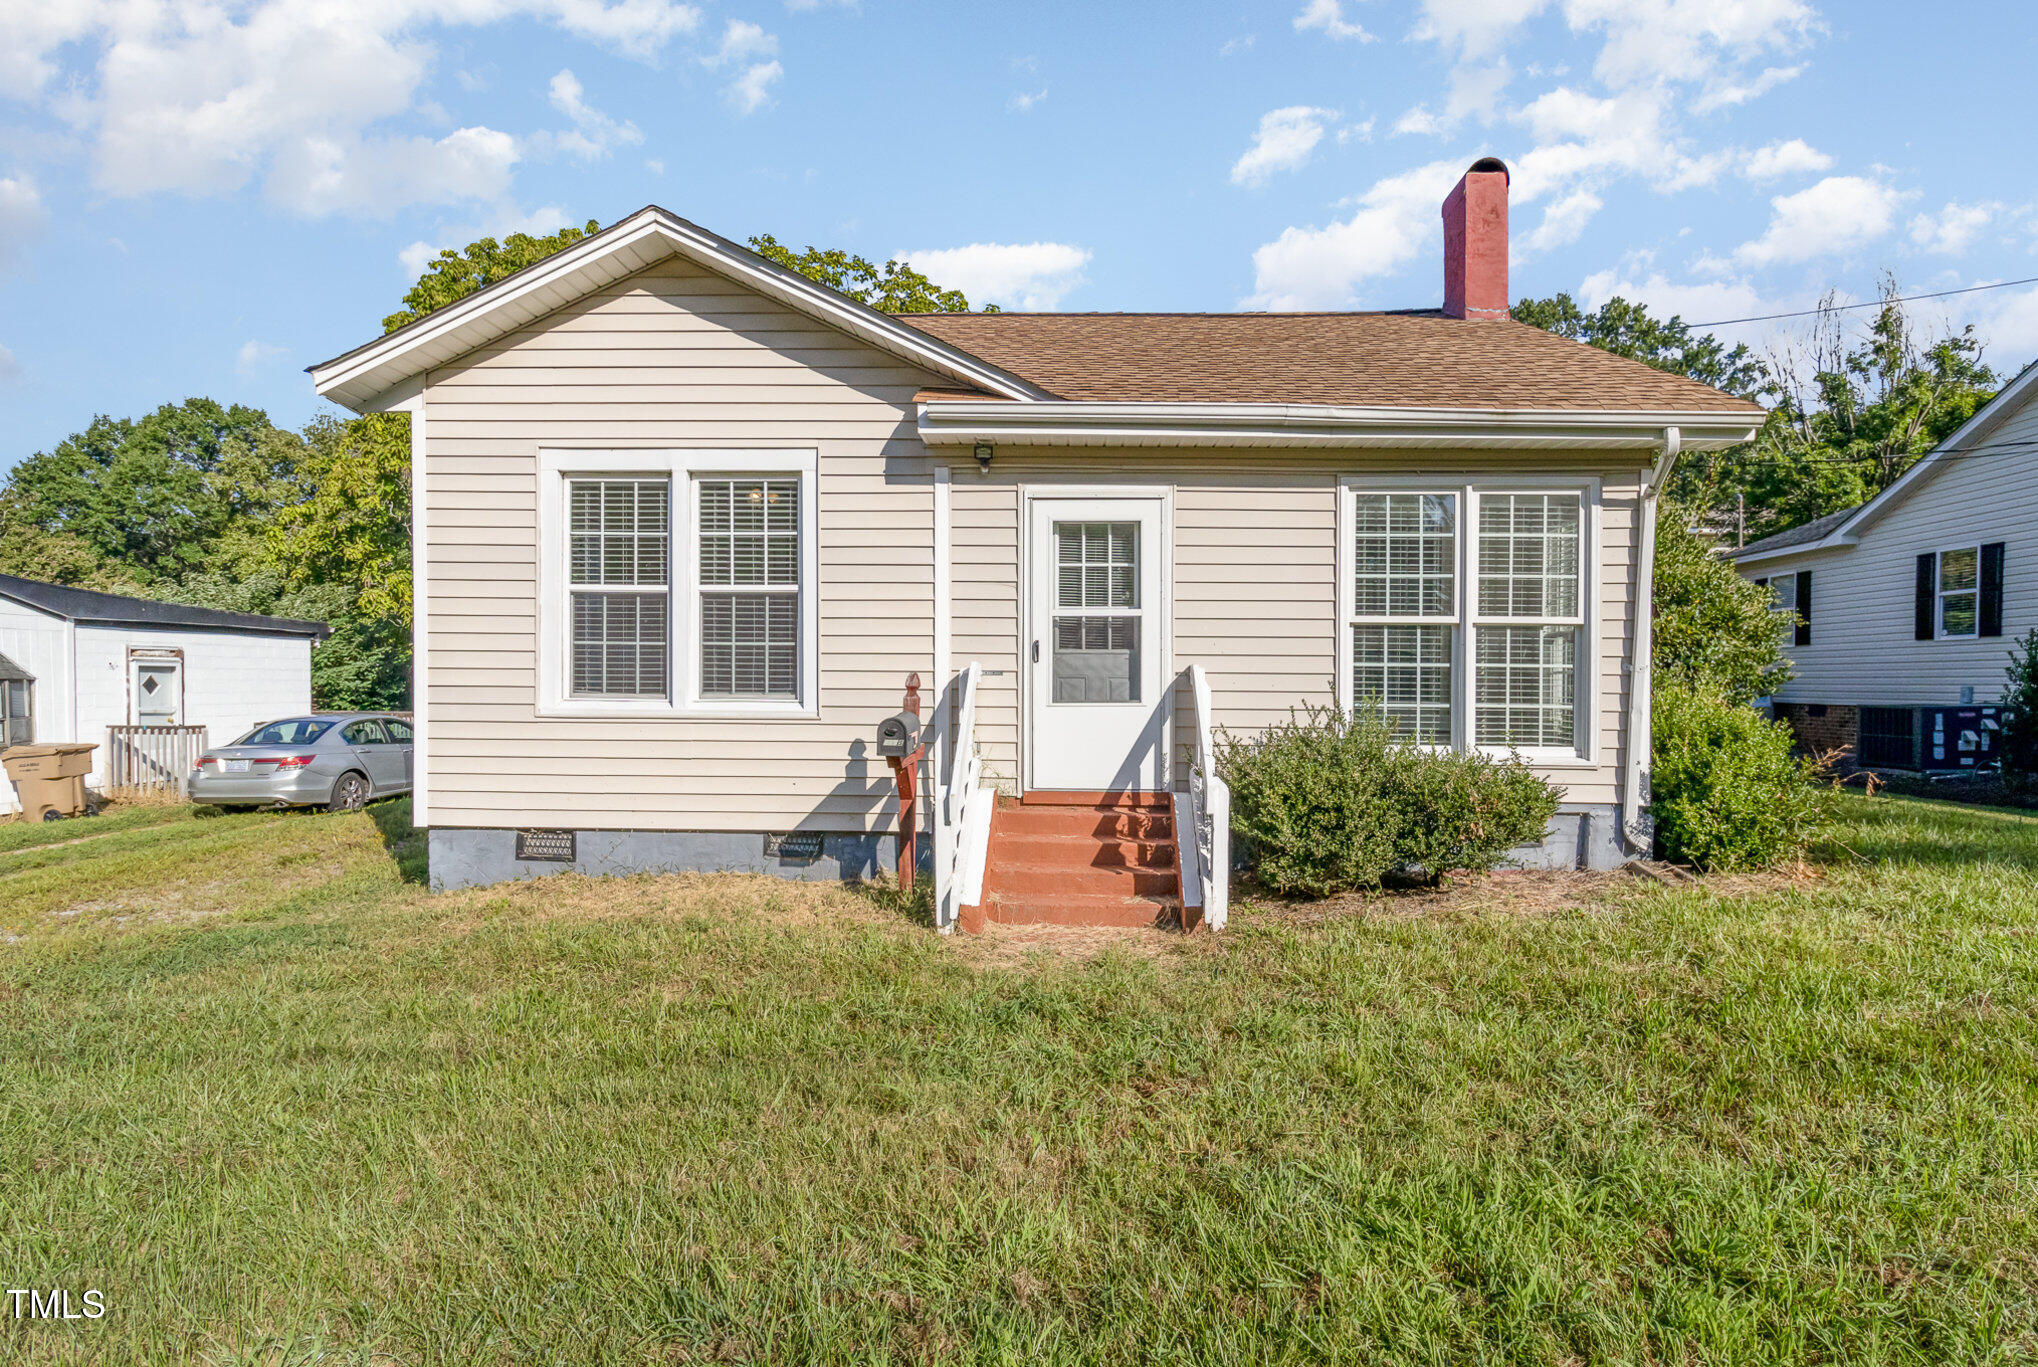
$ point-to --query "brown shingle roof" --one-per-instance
(1402, 360)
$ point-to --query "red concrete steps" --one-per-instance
(1096, 862)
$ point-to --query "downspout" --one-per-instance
(1640, 843)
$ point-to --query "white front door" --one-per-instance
(158, 693)
(1094, 653)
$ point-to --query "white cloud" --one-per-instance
(1953, 229)
(2011, 325)
(1031, 275)
(748, 46)
(1474, 28)
(654, 166)
(1234, 46)
(253, 353)
(594, 134)
(9, 367)
(1361, 131)
(1698, 42)
(1564, 221)
(202, 98)
(1794, 158)
(22, 215)
(1285, 139)
(539, 223)
(751, 91)
(1328, 16)
(1698, 301)
(1724, 94)
(1837, 215)
(1317, 268)
(1023, 102)
(1418, 122)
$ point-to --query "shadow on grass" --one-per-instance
(915, 907)
(1940, 835)
(405, 842)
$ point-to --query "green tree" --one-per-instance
(353, 525)
(1628, 329)
(452, 276)
(894, 287)
(1714, 631)
(149, 500)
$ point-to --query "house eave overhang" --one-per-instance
(1831, 542)
(362, 379)
(951, 423)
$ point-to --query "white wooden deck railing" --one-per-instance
(962, 811)
(1203, 835)
(156, 757)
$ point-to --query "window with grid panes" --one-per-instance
(1096, 621)
(1529, 599)
(619, 565)
(748, 586)
(1959, 591)
(1405, 610)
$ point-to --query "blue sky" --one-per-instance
(205, 196)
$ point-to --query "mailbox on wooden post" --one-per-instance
(900, 743)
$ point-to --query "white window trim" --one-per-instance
(1940, 591)
(1586, 753)
(682, 467)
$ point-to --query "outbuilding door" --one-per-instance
(1095, 647)
(157, 690)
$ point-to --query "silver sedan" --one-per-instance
(337, 760)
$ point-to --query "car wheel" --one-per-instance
(350, 794)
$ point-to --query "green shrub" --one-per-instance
(1327, 802)
(2020, 709)
(1727, 792)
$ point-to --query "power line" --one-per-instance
(1871, 304)
(1837, 462)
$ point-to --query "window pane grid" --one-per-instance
(620, 644)
(1096, 629)
(619, 531)
(1529, 555)
(1959, 592)
(619, 534)
(1526, 687)
(749, 586)
(1404, 555)
(1404, 671)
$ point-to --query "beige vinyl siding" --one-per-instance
(1864, 650)
(1253, 587)
(670, 357)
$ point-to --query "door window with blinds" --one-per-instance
(1465, 613)
(748, 586)
(1096, 613)
(17, 714)
(619, 560)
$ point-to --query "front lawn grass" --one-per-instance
(282, 1106)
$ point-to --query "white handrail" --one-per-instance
(1209, 824)
(962, 812)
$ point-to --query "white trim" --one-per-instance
(682, 466)
(359, 377)
(943, 570)
(964, 422)
(420, 610)
(1164, 610)
(1637, 742)
(1585, 753)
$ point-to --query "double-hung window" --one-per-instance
(619, 538)
(1467, 613)
(677, 582)
(17, 713)
(1959, 592)
(1529, 621)
(1404, 622)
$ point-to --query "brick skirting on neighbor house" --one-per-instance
(1824, 727)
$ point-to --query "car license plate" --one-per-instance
(235, 766)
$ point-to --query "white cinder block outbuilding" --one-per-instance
(76, 665)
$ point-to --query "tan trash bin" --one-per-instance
(49, 779)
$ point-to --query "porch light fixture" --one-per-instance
(983, 455)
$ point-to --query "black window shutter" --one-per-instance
(1804, 609)
(1992, 589)
(1928, 584)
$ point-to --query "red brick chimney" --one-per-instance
(1475, 243)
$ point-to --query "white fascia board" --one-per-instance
(963, 422)
(1990, 416)
(360, 377)
(1832, 541)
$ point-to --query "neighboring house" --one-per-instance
(685, 521)
(80, 666)
(1905, 607)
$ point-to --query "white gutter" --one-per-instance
(1831, 542)
(1641, 717)
(966, 422)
